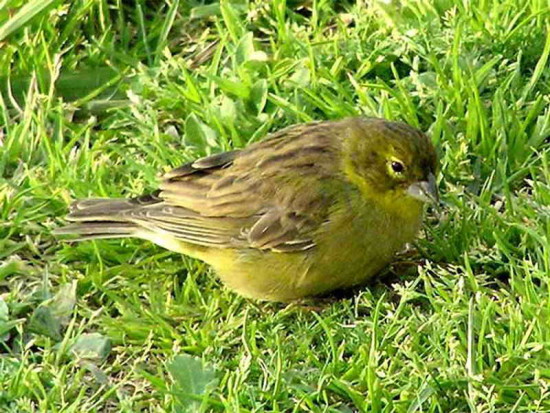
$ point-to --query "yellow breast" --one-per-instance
(350, 249)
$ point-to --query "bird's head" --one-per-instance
(390, 162)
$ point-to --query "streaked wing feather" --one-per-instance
(208, 162)
(267, 196)
(189, 226)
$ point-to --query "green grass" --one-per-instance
(99, 97)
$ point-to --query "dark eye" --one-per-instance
(397, 167)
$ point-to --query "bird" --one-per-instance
(310, 209)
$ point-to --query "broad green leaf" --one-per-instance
(48, 319)
(192, 379)
(228, 109)
(230, 86)
(207, 10)
(258, 95)
(245, 48)
(44, 322)
(301, 77)
(92, 346)
(62, 304)
(198, 134)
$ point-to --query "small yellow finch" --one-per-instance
(312, 208)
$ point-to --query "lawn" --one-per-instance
(99, 97)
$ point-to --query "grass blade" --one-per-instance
(23, 15)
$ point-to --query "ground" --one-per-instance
(97, 98)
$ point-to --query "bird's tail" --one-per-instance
(102, 218)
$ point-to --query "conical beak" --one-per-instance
(425, 191)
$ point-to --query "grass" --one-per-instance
(98, 97)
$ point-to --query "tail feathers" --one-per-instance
(99, 209)
(94, 230)
(102, 218)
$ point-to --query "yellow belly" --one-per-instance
(349, 250)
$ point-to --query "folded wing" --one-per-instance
(272, 195)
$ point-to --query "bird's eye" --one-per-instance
(397, 167)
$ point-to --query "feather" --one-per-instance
(240, 198)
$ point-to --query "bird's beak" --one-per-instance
(425, 191)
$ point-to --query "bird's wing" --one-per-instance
(272, 195)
